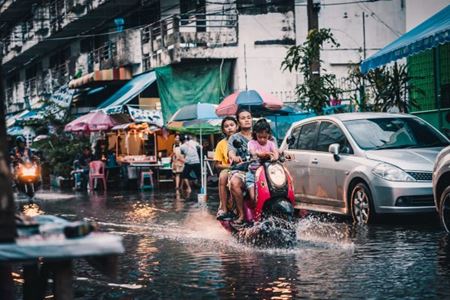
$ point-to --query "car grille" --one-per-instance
(415, 201)
(421, 176)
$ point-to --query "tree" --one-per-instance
(358, 96)
(316, 90)
(389, 88)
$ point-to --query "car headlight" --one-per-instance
(391, 173)
(276, 175)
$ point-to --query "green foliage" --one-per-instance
(60, 150)
(390, 88)
(358, 97)
(316, 90)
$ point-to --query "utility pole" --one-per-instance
(7, 207)
(364, 33)
(362, 88)
(313, 24)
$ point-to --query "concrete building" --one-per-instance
(97, 44)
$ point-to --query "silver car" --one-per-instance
(363, 164)
(441, 187)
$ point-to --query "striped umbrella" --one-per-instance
(256, 102)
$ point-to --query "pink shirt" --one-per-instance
(254, 146)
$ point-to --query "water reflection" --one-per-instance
(97, 200)
(32, 209)
(175, 249)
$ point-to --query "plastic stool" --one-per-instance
(144, 175)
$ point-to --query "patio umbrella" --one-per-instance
(93, 121)
(256, 102)
(200, 118)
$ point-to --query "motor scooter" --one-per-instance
(270, 219)
(27, 176)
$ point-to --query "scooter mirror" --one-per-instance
(237, 144)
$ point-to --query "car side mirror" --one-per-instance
(334, 149)
(290, 140)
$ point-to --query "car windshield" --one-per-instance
(394, 133)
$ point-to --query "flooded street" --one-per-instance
(175, 249)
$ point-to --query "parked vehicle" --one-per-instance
(363, 164)
(441, 187)
(274, 203)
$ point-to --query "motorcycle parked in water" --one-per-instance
(27, 176)
(271, 219)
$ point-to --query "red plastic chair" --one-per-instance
(97, 171)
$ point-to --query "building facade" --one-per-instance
(88, 44)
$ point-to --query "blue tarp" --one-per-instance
(15, 130)
(429, 34)
(32, 115)
(130, 90)
(281, 124)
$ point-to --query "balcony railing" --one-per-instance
(48, 18)
(30, 87)
(163, 40)
(9, 93)
(59, 75)
(101, 55)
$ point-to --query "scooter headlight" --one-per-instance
(29, 171)
(276, 175)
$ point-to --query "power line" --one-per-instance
(377, 18)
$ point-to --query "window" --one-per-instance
(394, 133)
(330, 133)
(293, 138)
(307, 136)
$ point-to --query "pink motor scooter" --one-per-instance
(274, 208)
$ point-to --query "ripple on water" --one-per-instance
(175, 249)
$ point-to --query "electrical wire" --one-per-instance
(377, 18)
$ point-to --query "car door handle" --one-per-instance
(315, 161)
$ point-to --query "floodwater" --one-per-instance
(176, 250)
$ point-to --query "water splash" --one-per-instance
(200, 227)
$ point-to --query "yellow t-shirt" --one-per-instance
(221, 152)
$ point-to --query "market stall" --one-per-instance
(134, 142)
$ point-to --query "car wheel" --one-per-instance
(362, 207)
(444, 209)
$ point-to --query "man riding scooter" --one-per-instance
(21, 151)
(237, 155)
(268, 208)
(27, 173)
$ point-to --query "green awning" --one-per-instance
(193, 82)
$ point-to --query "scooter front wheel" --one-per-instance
(29, 190)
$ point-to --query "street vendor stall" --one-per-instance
(136, 148)
(134, 142)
